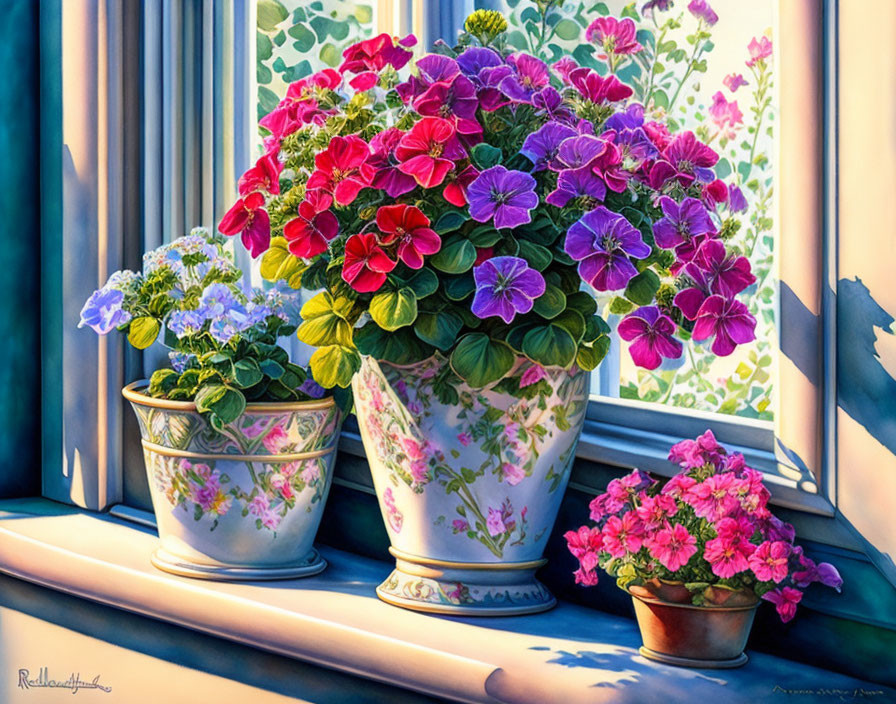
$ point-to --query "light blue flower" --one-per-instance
(217, 299)
(103, 311)
(223, 330)
(185, 322)
(180, 361)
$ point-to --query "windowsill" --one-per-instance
(335, 620)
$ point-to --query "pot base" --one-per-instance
(693, 662)
(465, 588)
(311, 565)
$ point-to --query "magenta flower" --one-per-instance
(712, 498)
(691, 454)
(459, 526)
(513, 474)
(455, 100)
(508, 196)
(495, 522)
(249, 217)
(585, 544)
(759, 50)
(769, 561)
(579, 152)
(615, 36)
(726, 274)
(679, 485)
(785, 601)
(530, 76)
(388, 177)
(680, 222)
(582, 184)
(596, 88)
(727, 557)
(602, 242)
(733, 81)
(650, 333)
(672, 546)
(654, 511)
(702, 11)
(691, 159)
(622, 535)
(532, 375)
(549, 103)
(726, 319)
(541, 147)
(505, 286)
(726, 116)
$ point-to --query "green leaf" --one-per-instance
(162, 381)
(567, 29)
(449, 221)
(538, 257)
(480, 360)
(643, 287)
(399, 347)
(325, 321)
(264, 47)
(334, 365)
(583, 302)
(573, 322)
(438, 329)
(330, 55)
(551, 303)
(223, 402)
(595, 326)
(620, 306)
(457, 288)
(394, 309)
(269, 14)
(456, 256)
(143, 332)
(590, 356)
(304, 38)
(424, 283)
(246, 373)
(484, 156)
(271, 368)
(484, 236)
(550, 346)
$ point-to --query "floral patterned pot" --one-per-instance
(242, 503)
(677, 632)
(469, 490)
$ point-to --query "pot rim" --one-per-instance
(445, 360)
(743, 607)
(132, 393)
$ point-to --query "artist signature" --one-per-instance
(73, 683)
(841, 694)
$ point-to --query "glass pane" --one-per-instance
(704, 66)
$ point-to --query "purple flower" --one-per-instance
(542, 145)
(577, 183)
(690, 159)
(650, 332)
(579, 152)
(733, 81)
(634, 146)
(103, 312)
(223, 330)
(185, 322)
(505, 286)
(727, 274)
(702, 11)
(489, 93)
(311, 388)
(602, 242)
(476, 58)
(549, 102)
(180, 361)
(506, 195)
(681, 221)
(730, 322)
(736, 200)
(217, 299)
(530, 77)
(632, 118)
(495, 522)
(660, 5)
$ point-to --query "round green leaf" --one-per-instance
(269, 14)
(485, 156)
(224, 402)
(325, 321)
(143, 332)
(424, 283)
(399, 347)
(583, 302)
(438, 329)
(457, 288)
(538, 257)
(449, 221)
(394, 309)
(334, 365)
(480, 360)
(567, 29)
(246, 373)
(304, 38)
(550, 346)
(330, 55)
(573, 322)
(551, 303)
(455, 257)
(589, 356)
(642, 288)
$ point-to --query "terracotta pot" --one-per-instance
(695, 636)
(469, 489)
(242, 503)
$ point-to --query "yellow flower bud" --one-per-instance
(485, 25)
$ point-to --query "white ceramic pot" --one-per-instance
(469, 485)
(242, 503)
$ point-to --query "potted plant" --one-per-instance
(697, 554)
(238, 442)
(449, 218)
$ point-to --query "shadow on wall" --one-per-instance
(865, 389)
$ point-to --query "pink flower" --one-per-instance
(270, 520)
(258, 505)
(691, 454)
(428, 151)
(728, 553)
(585, 544)
(464, 439)
(564, 67)
(419, 471)
(277, 440)
(310, 473)
(655, 510)
(785, 601)
(587, 578)
(679, 485)
(342, 169)
(388, 177)
(615, 36)
(460, 526)
(759, 49)
(532, 375)
(650, 332)
(513, 474)
(673, 546)
(596, 88)
(702, 11)
(281, 484)
(623, 535)
(726, 116)
(264, 176)
(495, 522)
(769, 561)
(712, 499)
(733, 81)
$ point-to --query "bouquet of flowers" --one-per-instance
(459, 208)
(708, 529)
(222, 335)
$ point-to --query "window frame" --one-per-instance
(192, 174)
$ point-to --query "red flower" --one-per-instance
(366, 264)
(428, 150)
(264, 176)
(597, 88)
(309, 233)
(343, 169)
(410, 227)
(368, 57)
(249, 217)
(456, 189)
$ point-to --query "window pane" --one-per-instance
(695, 81)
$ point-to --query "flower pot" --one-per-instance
(469, 482)
(244, 502)
(677, 633)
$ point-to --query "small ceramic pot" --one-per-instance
(469, 483)
(676, 632)
(244, 502)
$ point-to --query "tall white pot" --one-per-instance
(469, 482)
